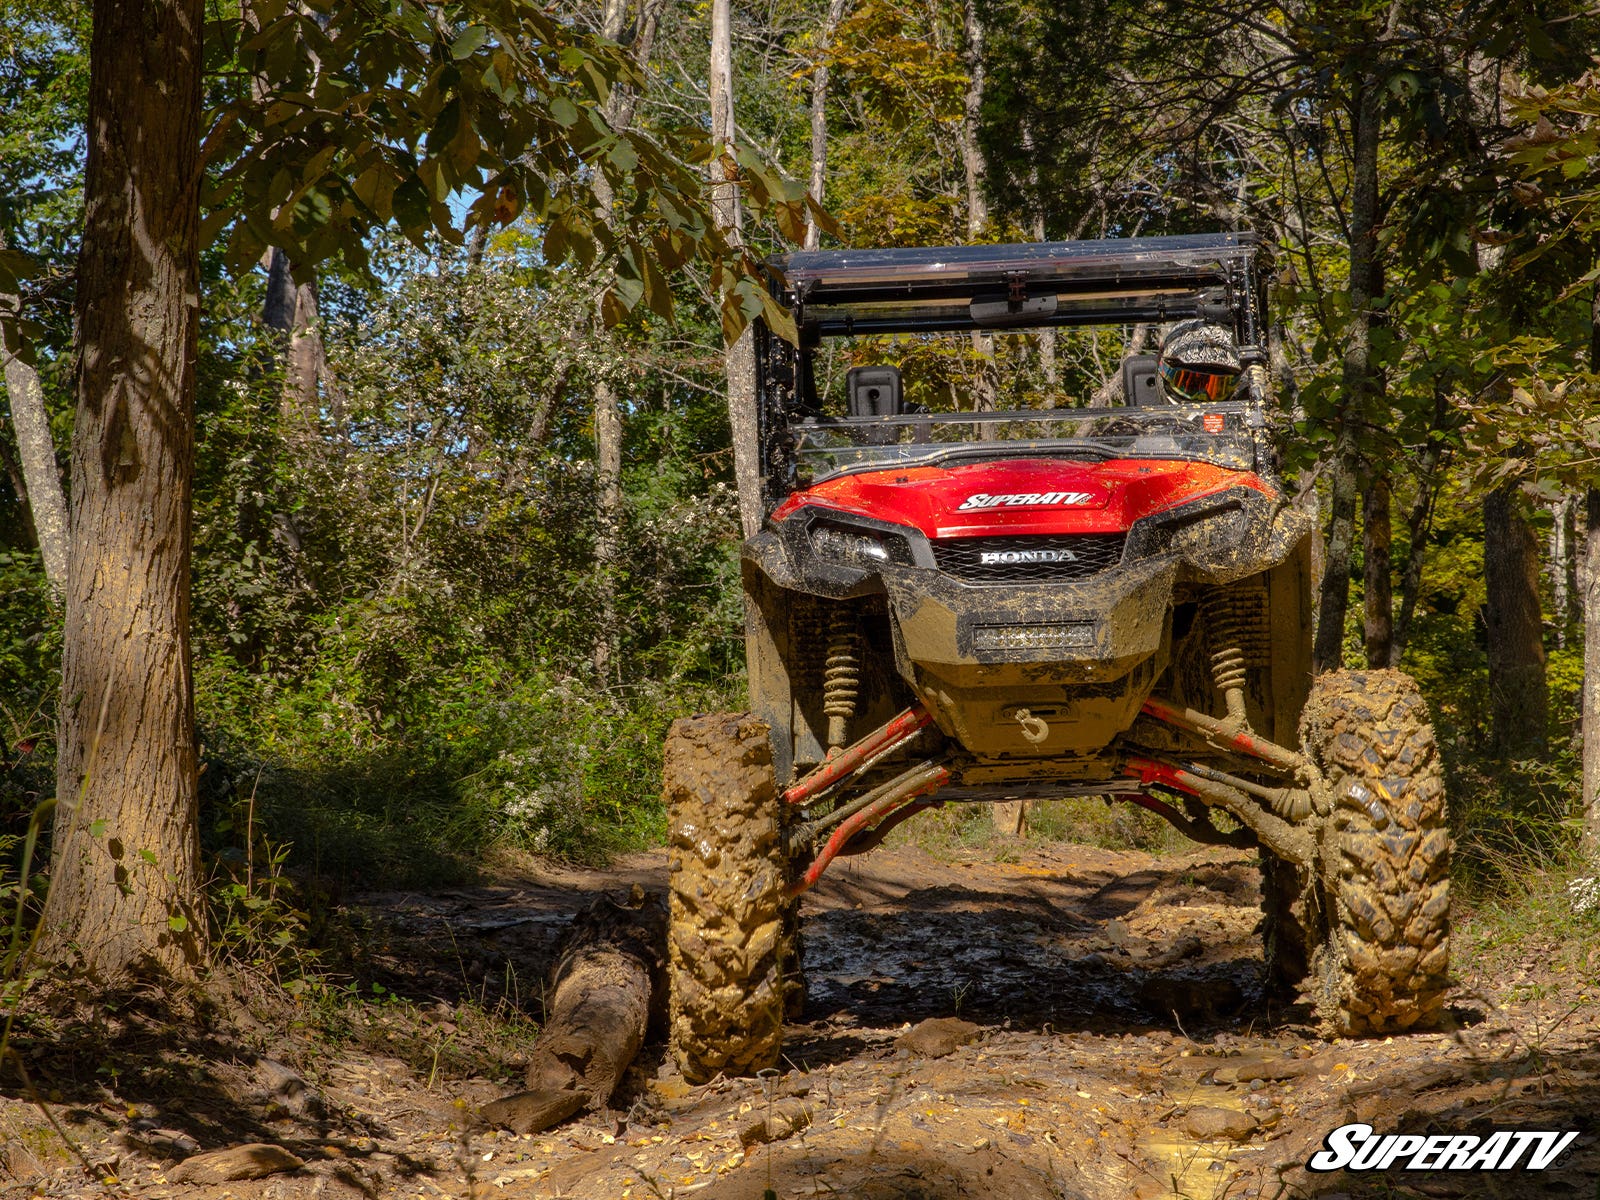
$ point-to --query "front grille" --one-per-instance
(1029, 559)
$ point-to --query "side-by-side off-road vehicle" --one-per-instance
(1003, 561)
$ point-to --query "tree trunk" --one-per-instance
(608, 514)
(972, 161)
(608, 988)
(1590, 703)
(307, 364)
(277, 305)
(1518, 695)
(1047, 337)
(608, 428)
(1356, 376)
(1418, 523)
(1328, 647)
(124, 890)
(1378, 591)
(607, 425)
(819, 118)
(1560, 566)
(37, 450)
(986, 383)
(740, 359)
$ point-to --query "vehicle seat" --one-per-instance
(1140, 384)
(874, 391)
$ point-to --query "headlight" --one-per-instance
(857, 547)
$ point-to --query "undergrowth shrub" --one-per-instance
(548, 765)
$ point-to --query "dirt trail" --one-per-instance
(1118, 1048)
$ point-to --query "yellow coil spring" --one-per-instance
(841, 678)
(1236, 628)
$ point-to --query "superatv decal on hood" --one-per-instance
(1016, 497)
(984, 500)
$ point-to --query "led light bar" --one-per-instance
(1073, 635)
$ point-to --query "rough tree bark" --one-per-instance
(277, 305)
(1519, 699)
(608, 988)
(1356, 376)
(726, 210)
(1378, 591)
(1047, 337)
(819, 118)
(124, 889)
(972, 161)
(37, 451)
(1328, 647)
(986, 384)
(1560, 566)
(307, 363)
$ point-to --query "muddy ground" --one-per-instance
(1111, 1043)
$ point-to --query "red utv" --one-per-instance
(1003, 561)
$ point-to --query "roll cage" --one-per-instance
(1041, 285)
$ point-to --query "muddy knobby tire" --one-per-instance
(726, 943)
(1386, 853)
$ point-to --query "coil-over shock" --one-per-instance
(1236, 627)
(841, 677)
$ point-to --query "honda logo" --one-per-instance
(989, 557)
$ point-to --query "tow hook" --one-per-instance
(1035, 729)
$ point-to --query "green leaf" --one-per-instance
(468, 41)
(563, 112)
(411, 206)
(623, 157)
(97, 828)
(178, 924)
(444, 129)
(375, 188)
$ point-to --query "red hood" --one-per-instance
(1022, 496)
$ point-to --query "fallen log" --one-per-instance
(607, 989)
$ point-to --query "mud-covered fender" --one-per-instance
(1224, 537)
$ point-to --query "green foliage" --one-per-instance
(332, 121)
(396, 600)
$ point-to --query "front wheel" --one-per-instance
(1383, 963)
(727, 939)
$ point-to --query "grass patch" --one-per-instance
(1091, 821)
(1523, 928)
(958, 830)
